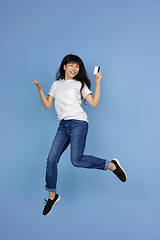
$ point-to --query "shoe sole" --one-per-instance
(117, 161)
(58, 199)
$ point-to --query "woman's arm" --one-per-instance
(47, 102)
(94, 100)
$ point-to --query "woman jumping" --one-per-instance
(70, 87)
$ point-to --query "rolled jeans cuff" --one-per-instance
(106, 165)
(50, 190)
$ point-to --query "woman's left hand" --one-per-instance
(98, 77)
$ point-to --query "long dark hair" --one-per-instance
(82, 74)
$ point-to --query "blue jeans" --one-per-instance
(72, 132)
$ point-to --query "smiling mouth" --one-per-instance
(73, 73)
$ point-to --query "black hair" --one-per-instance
(82, 74)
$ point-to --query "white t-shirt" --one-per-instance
(68, 99)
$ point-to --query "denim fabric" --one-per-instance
(72, 132)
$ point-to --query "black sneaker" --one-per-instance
(119, 171)
(49, 204)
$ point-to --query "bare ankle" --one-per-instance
(111, 166)
(52, 195)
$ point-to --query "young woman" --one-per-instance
(70, 87)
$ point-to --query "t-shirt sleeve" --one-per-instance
(85, 91)
(52, 90)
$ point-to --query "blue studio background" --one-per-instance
(123, 38)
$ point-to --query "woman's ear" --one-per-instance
(64, 67)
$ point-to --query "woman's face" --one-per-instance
(71, 70)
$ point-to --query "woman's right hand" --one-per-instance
(38, 85)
